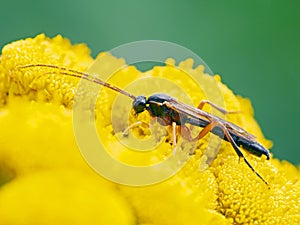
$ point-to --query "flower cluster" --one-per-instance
(45, 180)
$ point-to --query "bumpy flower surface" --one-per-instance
(45, 180)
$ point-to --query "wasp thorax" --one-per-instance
(139, 104)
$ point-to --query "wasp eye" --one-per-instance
(139, 104)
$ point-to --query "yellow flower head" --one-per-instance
(45, 179)
(62, 197)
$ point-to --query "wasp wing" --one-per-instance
(207, 117)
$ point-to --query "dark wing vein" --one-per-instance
(205, 116)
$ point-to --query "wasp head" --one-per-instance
(139, 104)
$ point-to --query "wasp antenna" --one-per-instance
(74, 73)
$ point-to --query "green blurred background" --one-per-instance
(254, 45)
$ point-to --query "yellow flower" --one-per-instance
(41, 49)
(62, 197)
(46, 180)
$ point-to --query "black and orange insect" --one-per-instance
(171, 112)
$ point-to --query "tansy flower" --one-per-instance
(45, 180)
(62, 197)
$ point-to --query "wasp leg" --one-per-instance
(239, 153)
(136, 124)
(224, 111)
(186, 132)
(210, 127)
(174, 136)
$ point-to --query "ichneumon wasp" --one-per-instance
(171, 112)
